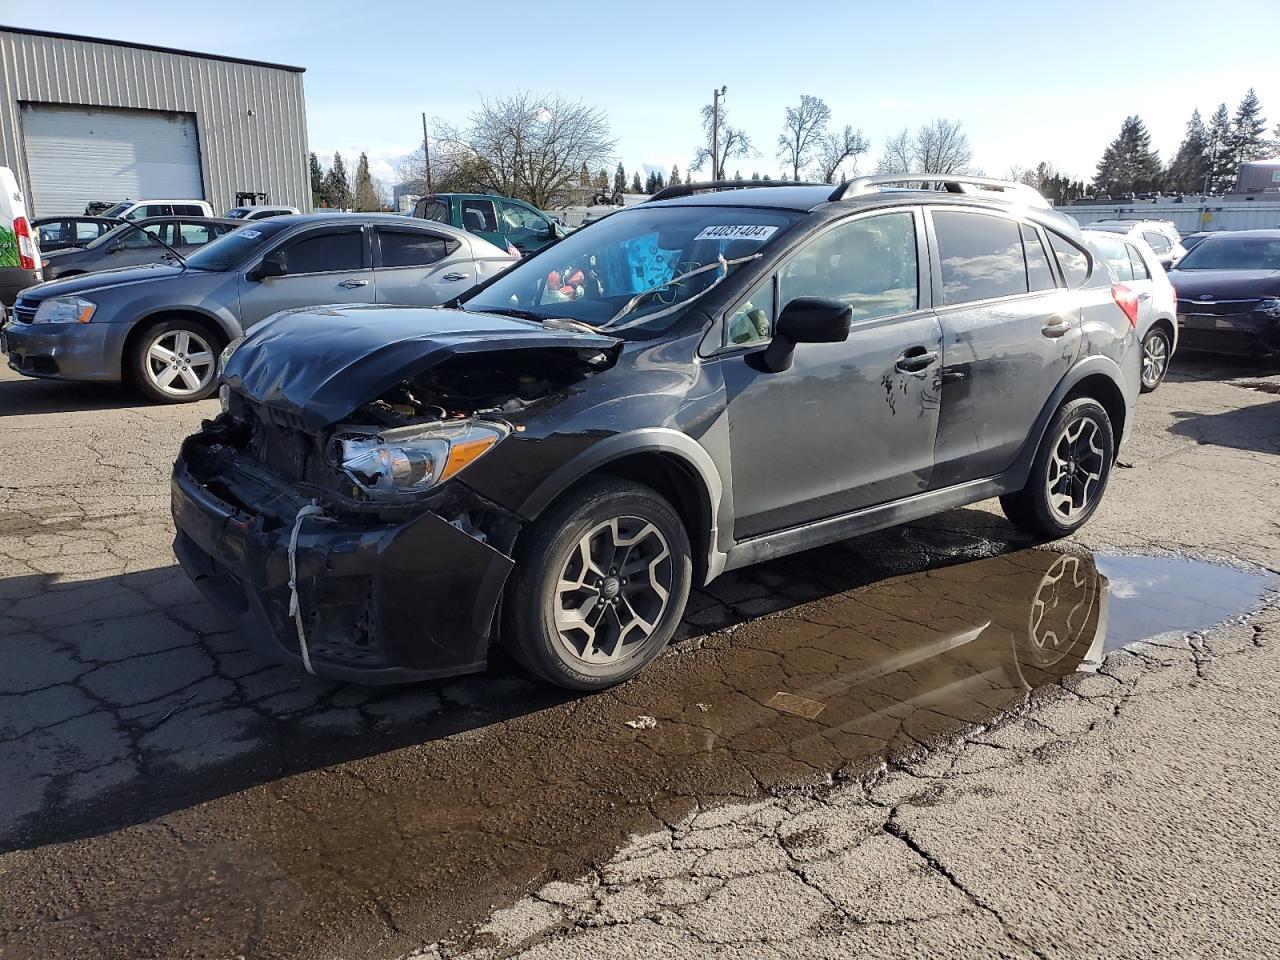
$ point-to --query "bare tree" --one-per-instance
(942, 147)
(530, 146)
(803, 131)
(898, 155)
(733, 142)
(937, 147)
(837, 148)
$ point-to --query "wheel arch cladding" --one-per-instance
(1102, 388)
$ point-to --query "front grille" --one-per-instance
(1216, 308)
(24, 311)
(278, 442)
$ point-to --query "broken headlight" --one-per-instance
(411, 461)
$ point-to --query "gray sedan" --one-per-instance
(162, 326)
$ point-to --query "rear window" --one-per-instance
(1072, 260)
(1039, 273)
(981, 256)
(1116, 254)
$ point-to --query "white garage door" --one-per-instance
(79, 154)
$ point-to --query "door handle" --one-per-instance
(1056, 327)
(454, 276)
(352, 284)
(916, 360)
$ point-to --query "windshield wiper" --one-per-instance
(179, 257)
(512, 312)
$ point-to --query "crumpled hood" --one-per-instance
(1226, 284)
(86, 283)
(320, 363)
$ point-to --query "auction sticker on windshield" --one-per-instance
(729, 231)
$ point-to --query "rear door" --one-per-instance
(1010, 332)
(850, 424)
(325, 265)
(420, 267)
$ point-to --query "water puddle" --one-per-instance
(436, 833)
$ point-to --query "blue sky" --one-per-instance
(1029, 81)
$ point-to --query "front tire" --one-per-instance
(176, 361)
(1157, 349)
(1069, 474)
(601, 586)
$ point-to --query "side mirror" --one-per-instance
(271, 266)
(806, 320)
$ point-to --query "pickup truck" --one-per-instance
(503, 221)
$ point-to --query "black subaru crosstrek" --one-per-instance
(709, 379)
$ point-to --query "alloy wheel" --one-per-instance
(613, 589)
(1155, 360)
(1075, 469)
(180, 362)
(1060, 609)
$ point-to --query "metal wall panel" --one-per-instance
(250, 118)
(78, 154)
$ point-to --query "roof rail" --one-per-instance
(710, 186)
(951, 182)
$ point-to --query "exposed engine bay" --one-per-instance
(468, 384)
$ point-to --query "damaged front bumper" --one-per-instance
(377, 600)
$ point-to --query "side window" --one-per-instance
(325, 253)
(404, 248)
(1039, 273)
(436, 210)
(1138, 265)
(520, 219)
(981, 256)
(1073, 261)
(158, 210)
(1116, 253)
(479, 215)
(187, 210)
(88, 230)
(146, 237)
(194, 234)
(55, 232)
(752, 322)
(869, 264)
(1159, 242)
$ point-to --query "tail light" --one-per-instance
(1127, 301)
(26, 246)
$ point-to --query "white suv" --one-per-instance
(141, 209)
(1133, 263)
(1160, 235)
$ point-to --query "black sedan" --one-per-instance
(152, 240)
(1229, 294)
(59, 233)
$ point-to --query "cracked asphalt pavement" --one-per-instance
(905, 745)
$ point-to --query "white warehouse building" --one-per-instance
(85, 120)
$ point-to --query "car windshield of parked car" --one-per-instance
(236, 213)
(234, 248)
(1234, 253)
(1106, 228)
(636, 267)
(117, 210)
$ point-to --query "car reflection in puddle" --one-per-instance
(436, 833)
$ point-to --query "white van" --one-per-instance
(19, 254)
(141, 209)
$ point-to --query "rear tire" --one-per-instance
(176, 361)
(600, 587)
(1157, 350)
(1069, 474)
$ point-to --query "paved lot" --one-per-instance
(169, 794)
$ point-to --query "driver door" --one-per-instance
(849, 425)
(325, 265)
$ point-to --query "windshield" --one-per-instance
(636, 266)
(232, 249)
(117, 210)
(1107, 228)
(235, 213)
(1234, 253)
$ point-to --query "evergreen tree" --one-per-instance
(737, 174)
(602, 180)
(620, 180)
(675, 176)
(1222, 171)
(650, 184)
(1129, 165)
(337, 189)
(366, 194)
(636, 185)
(584, 178)
(1190, 164)
(317, 181)
(658, 181)
(1249, 131)
(755, 174)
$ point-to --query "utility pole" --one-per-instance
(715, 131)
(426, 152)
